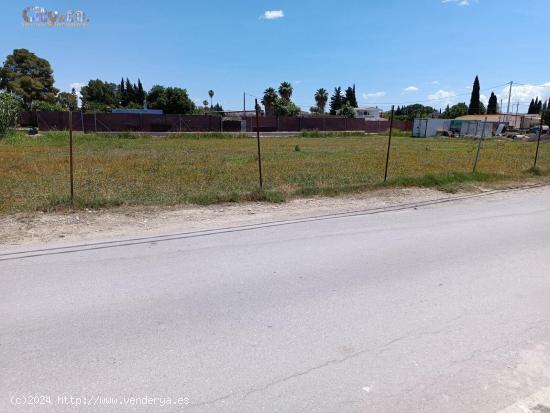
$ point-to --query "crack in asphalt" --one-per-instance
(379, 350)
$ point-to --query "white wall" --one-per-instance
(428, 127)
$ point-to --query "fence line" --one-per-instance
(128, 122)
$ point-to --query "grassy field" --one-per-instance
(125, 169)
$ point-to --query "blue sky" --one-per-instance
(395, 51)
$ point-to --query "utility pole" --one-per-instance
(258, 143)
(244, 103)
(538, 141)
(389, 143)
(509, 97)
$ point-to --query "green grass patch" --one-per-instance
(133, 169)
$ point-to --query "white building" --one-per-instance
(368, 113)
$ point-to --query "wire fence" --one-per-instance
(37, 172)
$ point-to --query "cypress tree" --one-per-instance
(130, 94)
(350, 97)
(336, 101)
(492, 106)
(140, 94)
(475, 102)
(123, 97)
(531, 106)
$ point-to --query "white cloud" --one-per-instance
(77, 86)
(297, 82)
(411, 89)
(524, 93)
(443, 96)
(458, 2)
(434, 82)
(368, 96)
(272, 14)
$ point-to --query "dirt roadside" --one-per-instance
(28, 229)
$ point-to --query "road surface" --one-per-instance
(441, 307)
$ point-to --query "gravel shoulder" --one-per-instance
(28, 229)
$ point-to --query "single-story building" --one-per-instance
(368, 113)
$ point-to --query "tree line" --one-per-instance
(30, 77)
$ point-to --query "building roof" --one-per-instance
(490, 118)
(370, 108)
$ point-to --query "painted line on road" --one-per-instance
(16, 255)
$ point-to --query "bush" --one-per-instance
(10, 108)
(43, 106)
(347, 111)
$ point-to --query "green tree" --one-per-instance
(531, 109)
(211, 94)
(417, 110)
(68, 101)
(321, 99)
(98, 95)
(140, 94)
(268, 100)
(172, 100)
(458, 110)
(122, 95)
(492, 106)
(10, 108)
(217, 109)
(336, 101)
(28, 76)
(475, 102)
(285, 91)
(351, 99)
(130, 92)
(347, 111)
(285, 107)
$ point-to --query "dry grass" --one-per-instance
(122, 169)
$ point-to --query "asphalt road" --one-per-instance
(439, 308)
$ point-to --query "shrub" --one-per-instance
(43, 106)
(10, 108)
(347, 111)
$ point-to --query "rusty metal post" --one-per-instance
(389, 145)
(258, 141)
(538, 140)
(479, 145)
(71, 155)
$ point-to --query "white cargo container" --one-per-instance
(428, 127)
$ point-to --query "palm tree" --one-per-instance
(321, 99)
(211, 94)
(205, 103)
(285, 90)
(269, 99)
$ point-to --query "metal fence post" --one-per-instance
(538, 140)
(258, 141)
(389, 145)
(479, 145)
(71, 155)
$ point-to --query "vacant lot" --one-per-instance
(124, 169)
